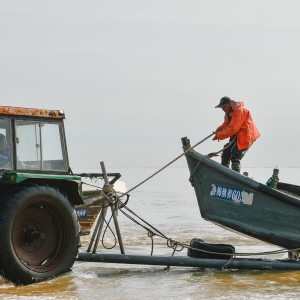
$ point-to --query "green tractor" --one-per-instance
(39, 228)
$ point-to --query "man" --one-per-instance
(238, 124)
(4, 152)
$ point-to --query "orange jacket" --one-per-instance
(239, 122)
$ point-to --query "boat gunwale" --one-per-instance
(260, 187)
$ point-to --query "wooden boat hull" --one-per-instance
(89, 211)
(236, 202)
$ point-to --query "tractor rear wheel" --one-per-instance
(39, 234)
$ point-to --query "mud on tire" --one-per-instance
(39, 234)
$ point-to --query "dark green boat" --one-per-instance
(239, 203)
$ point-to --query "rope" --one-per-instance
(158, 233)
(174, 244)
(216, 153)
(209, 156)
(110, 195)
(192, 174)
(227, 264)
(103, 235)
(151, 234)
(184, 153)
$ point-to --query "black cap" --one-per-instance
(224, 101)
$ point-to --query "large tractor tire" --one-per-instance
(39, 234)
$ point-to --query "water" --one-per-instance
(167, 202)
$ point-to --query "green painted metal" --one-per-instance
(16, 177)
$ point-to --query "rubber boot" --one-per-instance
(225, 163)
(235, 166)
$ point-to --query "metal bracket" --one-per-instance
(101, 218)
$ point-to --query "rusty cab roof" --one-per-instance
(32, 112)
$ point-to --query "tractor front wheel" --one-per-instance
(39, 234)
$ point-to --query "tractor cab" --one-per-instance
(32, 140)
(40, 232)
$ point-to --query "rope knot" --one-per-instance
(151, 233)
(174, 244)
(109, 193)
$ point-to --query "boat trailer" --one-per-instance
(176, 261)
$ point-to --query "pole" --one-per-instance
(183, 261)
(113, 211)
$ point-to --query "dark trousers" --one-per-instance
(234, 155)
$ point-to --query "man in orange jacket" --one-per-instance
(238, 124)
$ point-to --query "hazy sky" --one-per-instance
(133, 77)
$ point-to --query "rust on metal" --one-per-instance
(32, 112)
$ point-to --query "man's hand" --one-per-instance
(215, 138)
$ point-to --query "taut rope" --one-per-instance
(185, 152)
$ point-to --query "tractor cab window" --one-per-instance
(40, 146)
(5, 144)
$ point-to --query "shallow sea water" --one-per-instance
(167, 202)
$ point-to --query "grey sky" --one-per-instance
(135, 76)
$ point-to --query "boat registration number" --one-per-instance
(230, 194)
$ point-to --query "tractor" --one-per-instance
(39, 226)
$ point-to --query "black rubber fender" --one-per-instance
(216, 251)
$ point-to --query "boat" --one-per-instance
(241, 204)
